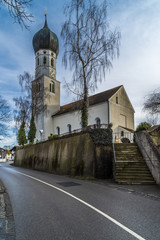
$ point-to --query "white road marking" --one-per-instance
(88, 205)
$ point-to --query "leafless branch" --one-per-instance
(152, 102)
(5, 117)
(18, 10)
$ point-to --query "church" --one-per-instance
(109, 107)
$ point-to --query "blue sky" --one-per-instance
(137, 68)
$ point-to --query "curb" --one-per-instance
(129, 188)
(7, 226)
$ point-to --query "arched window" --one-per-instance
(117, 100)
(38, 61)
(69, 128)
(44, 60)
(53, 88)
(98, 122)
(52, 62)
(58, 130)
(38, 87)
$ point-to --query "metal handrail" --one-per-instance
(120, 137)
(94, 126)
(139, 141)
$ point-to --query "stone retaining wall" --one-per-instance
(150, 153)
(76, 154)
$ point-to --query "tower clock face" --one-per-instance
(52, 74)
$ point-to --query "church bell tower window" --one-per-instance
(53, 88)
(52, 62)
(44, 60)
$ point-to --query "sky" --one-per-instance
(137, 67)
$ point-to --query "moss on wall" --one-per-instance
(155, 135)
(81, 154)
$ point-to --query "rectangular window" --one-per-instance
(123, 120)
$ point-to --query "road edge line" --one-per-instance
(88, 205)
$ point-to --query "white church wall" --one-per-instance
(39, 121)
(98, 111)
(61, 121)
(74, 118)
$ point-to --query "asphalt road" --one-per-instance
(53, 207)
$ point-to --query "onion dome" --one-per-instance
(45, 39)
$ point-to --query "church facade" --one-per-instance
(111, 106)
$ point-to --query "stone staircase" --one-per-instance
(130, 165)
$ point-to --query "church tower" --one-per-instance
(45, 87)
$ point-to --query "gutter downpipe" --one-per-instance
(114, 159)
(114, 153)
(108, 112)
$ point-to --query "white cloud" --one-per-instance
(8, 141)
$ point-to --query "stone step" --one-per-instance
(127, 151)
(125, 146)
(135, 182)
(136, 168)
(131, 164)
(131, 177)
(133, 173)
(128, 171)
(129, 159)
(128, 154)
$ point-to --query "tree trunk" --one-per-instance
(84, 109)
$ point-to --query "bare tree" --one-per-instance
(22, 111)
(90, 47)
(18, 10)
(5, 117)
(152, 102)
(31, 104)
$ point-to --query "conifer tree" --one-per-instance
(21, 135)
(32, 130)
(143, 126)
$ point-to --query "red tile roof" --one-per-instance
(95, 99)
